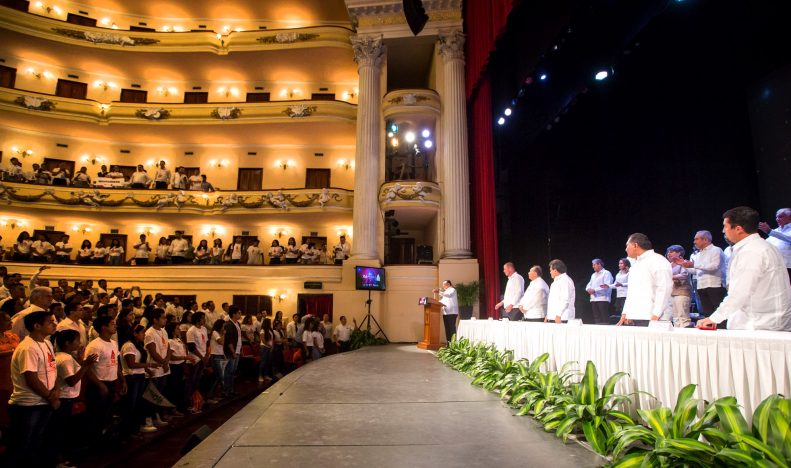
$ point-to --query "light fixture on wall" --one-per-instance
(108, 23)
(167, 90)
(219, 163)
(290, 93)
(22, 151)
(105, 85)
(13, 223)
(93, 159)
(83, 228)
(343, 232)
(228, 91)
(49, 8)
(155, 162)
(285, 164)
(213, 230)
(147, 229)
(346, 164)
(280, 296)
(280, 232)
(349, 95)
(40, 74)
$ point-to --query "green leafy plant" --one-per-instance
(362, 338)
(467, 293)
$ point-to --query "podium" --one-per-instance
(432, 318)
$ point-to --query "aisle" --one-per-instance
(388, 406)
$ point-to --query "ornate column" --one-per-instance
(455, 175)
(368, 53)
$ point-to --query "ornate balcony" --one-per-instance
(281, 201)
(199, 41)
(409, 194)
(175, 113)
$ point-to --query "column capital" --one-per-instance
(451, 44)
(368, 50)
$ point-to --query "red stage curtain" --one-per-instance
(316, 304)
(485, 21)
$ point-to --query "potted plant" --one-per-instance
(467, 294)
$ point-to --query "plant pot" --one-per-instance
(465, 312)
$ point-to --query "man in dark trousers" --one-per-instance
(232, 346)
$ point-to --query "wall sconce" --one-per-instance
(213, 231)
(228, 91)
(39, 74)
(342, 232)
(147, 230)
(83, 228)
(93, 159)
(168, 28)
(108, 23)
(279, 296)
(155, 162)
(22, 152)
(49, 8)
(285, 164)
(280, 232)
(349, 95)
(167, 91)
(219, 163)
(346, 164)
(13, 223)
(105, 85)
(290, 93)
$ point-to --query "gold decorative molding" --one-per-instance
(409, 193)
(174, 114)
(411, 101)
(127, 200)
(197, 41)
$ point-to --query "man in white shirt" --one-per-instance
(534, 302)
(706, 266)
(73, 321)
(560, 304)
(514, 290)
(179, 247)
(161, 176)
(342, 334)
(212, 314)
(142, 250)
(195, 182)
(179, 181)
(41, 249)
(63, 250)
(341, 251)
(599, 297)
(40, 300)
(139, 179)
(781, 237)
(759, 297)
(450, 308)
(650, 284)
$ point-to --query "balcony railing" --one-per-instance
(409, 193)
(128, 200)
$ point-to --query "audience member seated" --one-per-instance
(63, 250)
(41, 249)
(22, 247)
(81, 178)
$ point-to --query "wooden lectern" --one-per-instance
(432, 317)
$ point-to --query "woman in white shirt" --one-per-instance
(135, 369)
(85, 254)
(275, 253)
(235, 251)
(116, 252)
(22, 247)
(218, 359)
(292, 251)
(81, 178)
(202, 254)
(161, 256)
(254, 254)
(99, 254)
(175, 386)
(216, 252)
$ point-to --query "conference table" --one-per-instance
(749, 365)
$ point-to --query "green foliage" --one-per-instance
(693, 433)
(467, 293)
(362, 338)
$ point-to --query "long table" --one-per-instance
(746, 364)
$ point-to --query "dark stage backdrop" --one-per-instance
(663, 148)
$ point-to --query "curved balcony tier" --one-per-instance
(47, 105)
(280, 201)
(409, 193)
(197, 41)
(411, 101)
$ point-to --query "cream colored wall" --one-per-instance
(396, 309)
(45, 145)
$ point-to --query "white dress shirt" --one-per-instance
(561, 298)
(449, 301)
(781, 238)
(599, 278)
(707, 267)
(179, 247)
(650, 285)
(514, 290)
(534, 301)
(726, 259)
(623, 279)
(139, 177)
(759, 297)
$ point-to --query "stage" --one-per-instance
(749, 365)
(382, 406)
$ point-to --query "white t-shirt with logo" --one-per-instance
(197, 336)
(128, 349)
(178, 350)
(32, 356)
(160, 339)
(106, 367)
(216, 347)
(67, 367)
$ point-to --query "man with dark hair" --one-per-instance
(599, 296)
(650, 283)
(232, 346)
(104, 375)
(450, 308)
(759, 297)
(73, 321)
(35, 396)
(560, 304)
(514, 290)
(158, 348)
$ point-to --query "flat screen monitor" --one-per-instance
(369, 278)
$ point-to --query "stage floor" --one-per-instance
(382, 406)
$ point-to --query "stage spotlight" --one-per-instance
(390, 134)
(409, 137)
(428, 144)
(507, 111)
(602, 75)
(426, 133)
(543, 77)
(501, 121)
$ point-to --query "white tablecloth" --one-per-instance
(746, 364)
